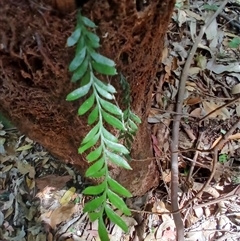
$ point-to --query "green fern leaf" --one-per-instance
(80, 92)
(94, 39)
(94, 204)
(94, 216)
(116, 147)
(100, 173)
(88, 22)
(109, 136)
(118, 202)
(118, 188)
(89, 144)
(91, 134)
(118, 160)
(132, 125)
(94, 155)
(95, 190)
(93, 115)
(73, 39)
(77, 61)
(113, 121)
(135, 118)
(102, 231)
(110, 107)
(103, 92)
(104, 69)
(102, 59)
(81, 70)
(87, 104)
(107, 87)
(95, 167)
(115, 218)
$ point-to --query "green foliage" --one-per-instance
(234, 43)
(102, 145)
(131, 120)
(223, 158)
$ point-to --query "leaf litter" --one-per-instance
(40, 197)
(210, 109)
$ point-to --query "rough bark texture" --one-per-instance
(34, 80)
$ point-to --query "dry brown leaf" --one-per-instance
(194, 71)
(193, 100)
(54, 181)
(234, 136)
(166, 176)
(235, 89)
(209, 106)
(196, 112)
(59, 215)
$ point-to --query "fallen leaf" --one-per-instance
(52, 181)
(235, 89)
(24, 148)
(67, 196)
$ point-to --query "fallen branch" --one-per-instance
(176, 123)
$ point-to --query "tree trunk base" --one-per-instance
(34, 78)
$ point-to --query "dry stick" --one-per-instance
(174, 158)
(218, 108)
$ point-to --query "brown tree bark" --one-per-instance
(34, 79)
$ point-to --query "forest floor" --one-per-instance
(40, 197)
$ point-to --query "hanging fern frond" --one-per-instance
(102, 108)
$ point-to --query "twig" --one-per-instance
(174, 158)
(195, 158)
(218, 108)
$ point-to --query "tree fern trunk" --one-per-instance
(34, 79)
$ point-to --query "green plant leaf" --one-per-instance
(88, 22)
(115, 218)
(234, 43)
(135, 118)
(93, 115)
(81, 43)
(104, 69)
(110, 107)
(94, 204)
(91, 44)
(100, 173)
(89, 144)
(87, 104)
(118, 160)
(118, 202)
(95, 167)
(118, 188)
(94, 155)
(113, 121)
(95, 190)
(81, 70)
(108, 87)
(94, 216)
(72, 40)
(108, 135)
(116, 147)
(102, 59)
(77, 61)
(132, 125)
(103, 92)
(80, 92)
(86, 79)
(91, 134)
(102, 231)
(94, 39)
